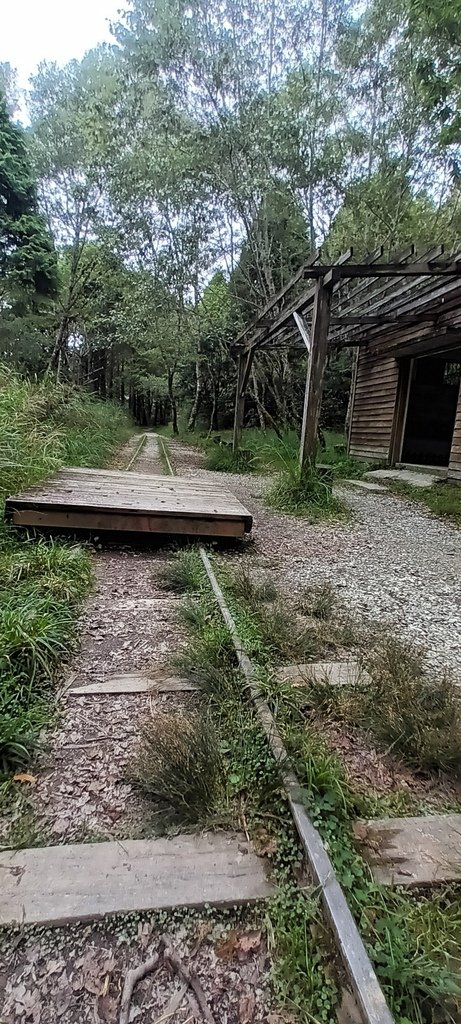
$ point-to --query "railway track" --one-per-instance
(357, 963)
(101, 703)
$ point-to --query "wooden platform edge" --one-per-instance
(131, 522)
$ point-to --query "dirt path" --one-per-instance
(129, 624)
(393, 563)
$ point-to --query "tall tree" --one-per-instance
(27, 255)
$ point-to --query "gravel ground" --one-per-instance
(392, 563)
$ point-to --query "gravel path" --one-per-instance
(394, 563)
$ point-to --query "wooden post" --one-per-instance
(245, 362)
(315, 373)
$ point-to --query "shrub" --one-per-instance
(222, 459)
(178, 763)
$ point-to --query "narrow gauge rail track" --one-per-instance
(354, 956)
(150, 449)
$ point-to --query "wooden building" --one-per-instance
(406, 397)
(402, 317)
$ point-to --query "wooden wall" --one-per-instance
(454, 469)
(373, 407)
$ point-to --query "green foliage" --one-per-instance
(27, 255)
(42, 427)
(435, 33)
(222, 459)
(37, 629)
(178, 764)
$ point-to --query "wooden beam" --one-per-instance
(393, 270)
(436, 343)
(385, 318)
(245, 362)
(315, 374)
(279, 296)
(302, 328)
(301, 303)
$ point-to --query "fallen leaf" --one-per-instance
(265, 845)
(249, 942)
(25, 777)
(203, 930)
(247, 1006)
(226, 947)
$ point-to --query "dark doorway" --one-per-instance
(432, 400)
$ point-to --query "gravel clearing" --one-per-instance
(393, 563)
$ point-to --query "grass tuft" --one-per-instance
(412, 708)
(304, 493)
(244, 587)
(178, 763)
(318, 601)
(184, 573)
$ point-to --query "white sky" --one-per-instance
(35, 30)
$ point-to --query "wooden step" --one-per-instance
(366, 485)
(131, 682)
(332, 673)
(63, 884)
(412, 851)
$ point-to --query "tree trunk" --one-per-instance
(198, 394)
(172, 397)
(259, 405)
(214, 425)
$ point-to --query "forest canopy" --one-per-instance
(170, 183)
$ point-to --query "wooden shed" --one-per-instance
(402, 318)
(406, 393)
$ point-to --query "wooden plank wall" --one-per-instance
(374, 403)
(454, 469)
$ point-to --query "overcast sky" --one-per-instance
(35, 30)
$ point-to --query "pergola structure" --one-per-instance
(346, 304)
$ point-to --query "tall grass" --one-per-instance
(42, 426)
(303, 492)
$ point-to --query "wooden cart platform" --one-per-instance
(102, 499)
